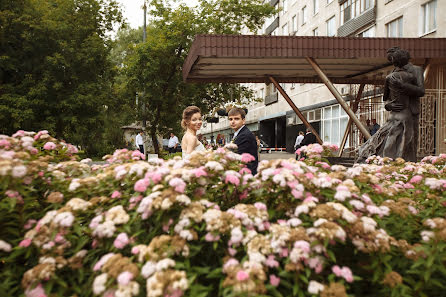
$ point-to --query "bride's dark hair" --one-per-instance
(188, 112)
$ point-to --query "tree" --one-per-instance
(154, 67)
(55, 72)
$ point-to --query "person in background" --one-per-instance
(375, 127)
(173, 143)
(140, 141)
(259, 145)
(299, 139)
(205, 142)
(309, 138)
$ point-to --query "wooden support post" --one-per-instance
(350, 122)
(294, 107)
(338, 97)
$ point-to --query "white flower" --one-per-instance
(18, 171)
(74, 185)
(148, 269)
(319, 222)
(186, 234)
(164, 264)
(78, 204)
(236, 235)
(106, 229)
(99, 284)
(4, 246)
(213, 165)
(314, 287)
(294, 222)
(118, 215)
(369, 224)
(64, 219)
(427, 235)
(183, 199)
(357, 204)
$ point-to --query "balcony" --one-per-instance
(272, 27)
(270, 99)
(359, 22)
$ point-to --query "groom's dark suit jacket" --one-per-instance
(246, 143)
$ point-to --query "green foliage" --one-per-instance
(153, 69)
(55, 73)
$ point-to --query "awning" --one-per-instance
(254, 58)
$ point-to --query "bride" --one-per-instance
(191, 122)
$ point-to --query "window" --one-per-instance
(293, 85)
(285, 29)
(315, 6)
(315, 32)
(285, 6)
(262, 93)
(370, 32)
(294, 24)
(353, 8)
(304, 15)
(334, 123)
(275, 32)
(395, 28)
(331, 26)
(429, 14)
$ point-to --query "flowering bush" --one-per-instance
(317, 151)
(207, 227)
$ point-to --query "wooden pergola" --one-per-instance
(304, 59)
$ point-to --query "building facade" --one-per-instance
(273, 119)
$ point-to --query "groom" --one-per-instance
(243, 137)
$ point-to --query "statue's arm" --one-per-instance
(415, 90)
(386, 91)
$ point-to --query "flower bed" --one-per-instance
(207, 227)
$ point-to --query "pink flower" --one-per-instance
(178, 183)
(302, 245)
(246, 158)
(271, 262)
(135, 250)
(274, 280)
(136, 155)
(232, 251)
(116, 194)
(244, 170)
(49, 146)
(284, 252)
(260, 206)
(29, 224)
(416, 179)
(210, 237)
(243, 195)
(344, 272)
(38, 291)
(25, 242)
(121, 241)
(242, 275)
(141, 185)
(125, 277)
(233, 179)
(296, 194)
(102, 261)
(200, 172)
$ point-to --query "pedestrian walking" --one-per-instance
(173, 143)
(140, 141)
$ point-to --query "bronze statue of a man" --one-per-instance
(398, 137)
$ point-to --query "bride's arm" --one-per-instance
(191, 143)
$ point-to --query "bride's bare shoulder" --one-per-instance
(188, 137)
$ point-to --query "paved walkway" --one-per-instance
(276, 155)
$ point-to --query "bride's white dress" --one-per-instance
(199, 147)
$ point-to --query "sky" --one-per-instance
(132, 10)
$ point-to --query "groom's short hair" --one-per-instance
(236, 111)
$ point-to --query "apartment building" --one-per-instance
(277, 124)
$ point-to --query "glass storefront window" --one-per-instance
(335, 120)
